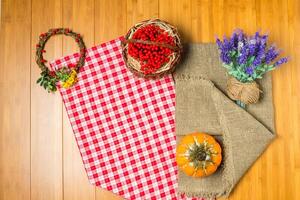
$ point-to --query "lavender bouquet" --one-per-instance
(247, 58)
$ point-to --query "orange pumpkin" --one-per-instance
(198, 155)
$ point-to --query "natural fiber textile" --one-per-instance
(202, 106)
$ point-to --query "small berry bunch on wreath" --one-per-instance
(67, 75)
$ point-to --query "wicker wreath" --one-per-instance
(68, 74)
(134, 64)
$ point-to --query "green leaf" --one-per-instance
(44, 73)
(233, 53)
(250, 61)
(227, 66)
(39, 80)
(270, 67)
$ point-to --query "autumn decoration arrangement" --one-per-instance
(152, 49)
(202, 105)
(247, 58)
(68, 74)
(126, 91)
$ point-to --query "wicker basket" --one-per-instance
(134, 65)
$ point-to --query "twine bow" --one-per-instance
(247, 93)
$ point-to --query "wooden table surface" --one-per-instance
(39, 159)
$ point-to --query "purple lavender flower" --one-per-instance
(241, 36)
(252, 45)
(259, 58)
(244, 53)
(281, 61)
(227, 45)
(263, 40)
(271, 54)
(260, 50)
(249, 70)
(234, 40)
(225, 57)
(219, 43)
(249, 57)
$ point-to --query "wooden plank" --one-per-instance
(294, 29)
(277, 23)
(139, 10)
(15, 51)
(241, 15)
(46, 110)
(79, 16)
(207, 20)
(264, 22)
(108, 28)
(177, 13)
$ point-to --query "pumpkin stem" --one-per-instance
(200, 155)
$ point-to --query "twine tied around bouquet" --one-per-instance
(247, 93)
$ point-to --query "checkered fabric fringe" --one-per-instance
(123, 125)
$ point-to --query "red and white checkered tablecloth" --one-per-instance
(123, 125)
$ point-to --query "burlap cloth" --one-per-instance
(202, 105)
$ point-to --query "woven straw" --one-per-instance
(134, 65)
(248, 93)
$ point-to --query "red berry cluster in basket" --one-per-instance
(151, 56)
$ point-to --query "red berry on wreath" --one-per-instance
(52, 73)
